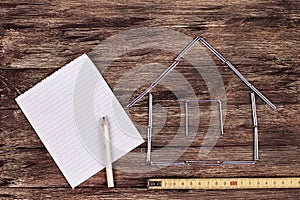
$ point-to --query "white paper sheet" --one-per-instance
(65, 110)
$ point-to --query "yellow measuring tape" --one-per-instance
(223, 183)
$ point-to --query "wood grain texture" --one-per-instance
(261, 38)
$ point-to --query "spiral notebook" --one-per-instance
(65, 111)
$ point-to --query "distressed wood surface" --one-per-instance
(261, 38)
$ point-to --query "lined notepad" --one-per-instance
(65, 111)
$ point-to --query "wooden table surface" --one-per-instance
(261, 38)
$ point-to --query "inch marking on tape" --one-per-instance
(223, 183)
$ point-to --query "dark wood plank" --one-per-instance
(281, 87)
(141, 193)
(276, 127)
(35, 168)
(62, 31)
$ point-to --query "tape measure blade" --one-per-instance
(224, 183)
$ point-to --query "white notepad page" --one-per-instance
(66, 109)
